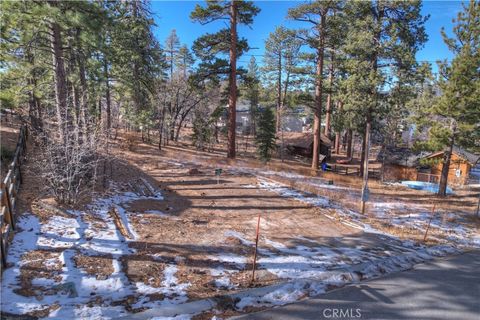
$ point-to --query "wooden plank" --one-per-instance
(4, 235)
(8, 177)
(9, 215)
(119, 223)
(20, 178)
(13, 196)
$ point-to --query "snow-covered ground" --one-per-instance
(303, 269)
(309, 270)
(71, 293)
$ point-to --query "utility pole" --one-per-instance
(365, 191)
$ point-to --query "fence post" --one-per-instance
(3, 253)
(255, 253)
(19, 172)
(9, 216)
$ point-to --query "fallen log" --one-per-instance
(119, 223)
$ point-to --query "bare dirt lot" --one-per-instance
(189, 235)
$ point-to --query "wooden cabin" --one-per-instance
(460, 165)
(301, 143)
(400, 164)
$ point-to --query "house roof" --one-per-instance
(302, 139)
(462, 153)
(401, 156)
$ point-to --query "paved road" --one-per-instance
(442, 289)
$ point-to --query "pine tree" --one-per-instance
(64, 55)
(225, 40)
(252, 90)
(172, 46)
(282, 57)
(318, 14)
(139, 59)
(456, 113)
(184, 60)
(383, 38)
(265, 136)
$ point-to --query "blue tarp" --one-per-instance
(425, 186)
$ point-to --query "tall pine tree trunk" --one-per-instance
(349, 143)
(318, 98)
(232, 98)
(34, 105)
(83, 90)
(59, 79)
(362, 154)
(337, 134)
(447, 157)
(329, 97)
(284, 97)
(160, 128)
(279, 94)
(107, 94)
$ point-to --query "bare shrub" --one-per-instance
(70, 167)
(130, 142)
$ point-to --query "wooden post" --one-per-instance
(9, 216)
(255, 252)
(19, 172)
(3, 252)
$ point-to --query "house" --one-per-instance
(461, 165)
(292, 121)
(301, 143)
(400, 163)
(243, 119)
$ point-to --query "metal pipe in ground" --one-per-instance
(255, 252)
(365, 191)
(429, 222)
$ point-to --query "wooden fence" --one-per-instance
(428, 177)
(8, 194)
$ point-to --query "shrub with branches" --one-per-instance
(70, 167)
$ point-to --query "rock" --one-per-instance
(232, 241)
(194, 171)
(225, 302)
(263, 275)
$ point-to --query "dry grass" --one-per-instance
(101, 266)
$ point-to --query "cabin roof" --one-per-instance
(401, 156)
(302, 139)
(472, 158)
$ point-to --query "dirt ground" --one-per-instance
(204, 226)
(464, 199)
(201, 210)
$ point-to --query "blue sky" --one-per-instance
(175, 15)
